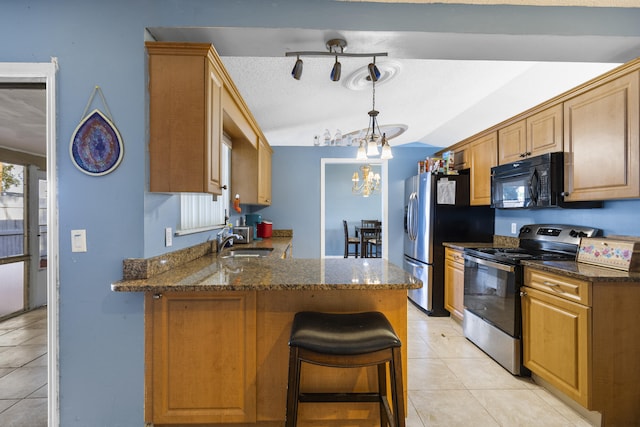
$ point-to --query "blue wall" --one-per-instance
(101, 43)
(296, 194)
(614, 218)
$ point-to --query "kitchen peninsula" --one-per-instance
(216, 332)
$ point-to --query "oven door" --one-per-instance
(490, 293)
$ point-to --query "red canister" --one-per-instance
(264, 229)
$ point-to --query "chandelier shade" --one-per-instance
(370, 182)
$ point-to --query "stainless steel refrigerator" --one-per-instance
(437, 210)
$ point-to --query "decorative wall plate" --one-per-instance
(96, 146)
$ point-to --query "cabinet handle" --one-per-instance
(157, 296)
(523, 294)
(565, 194)
(523, 155)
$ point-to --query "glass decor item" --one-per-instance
(96, 146)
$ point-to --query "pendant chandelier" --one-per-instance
(373, 137)
(370, 182)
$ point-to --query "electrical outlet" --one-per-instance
(168, 237)
(514, 228)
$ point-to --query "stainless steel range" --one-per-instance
(492, 280)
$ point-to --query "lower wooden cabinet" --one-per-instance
(555, 335)
(454, 282)
(582, 337)
(200, 357)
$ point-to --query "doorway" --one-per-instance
(331, 164)
(44, 74)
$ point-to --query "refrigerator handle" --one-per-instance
(413, 217)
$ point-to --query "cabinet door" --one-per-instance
(544, 131)
(482, 157)
(214, 131)
(602, 152)
(264, 173)
(512, 142)
(454, 282)
(556, 334)
(185, 116)
(200, 357)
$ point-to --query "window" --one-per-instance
(12, 210)
(200, 212)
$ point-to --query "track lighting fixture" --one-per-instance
(336, 49)
(335, 71)
(297, 69)
(374, 73)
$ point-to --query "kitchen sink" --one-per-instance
(247, 253)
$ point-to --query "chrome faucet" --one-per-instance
(224, 236)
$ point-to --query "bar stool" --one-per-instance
(350, 340)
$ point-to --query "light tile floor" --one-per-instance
(23, 370)
(451, 382)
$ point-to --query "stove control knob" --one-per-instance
(525, 230)
(574, 233)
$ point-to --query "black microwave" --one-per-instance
(531, 183)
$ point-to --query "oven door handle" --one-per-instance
(499, 266)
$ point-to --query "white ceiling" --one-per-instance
(447, 86)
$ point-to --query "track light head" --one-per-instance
(374, 73)
(297, 69)
(335, 71)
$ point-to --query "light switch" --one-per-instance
(78, 240)
(168, 237)
(514, 228)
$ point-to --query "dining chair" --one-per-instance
(370, 230)
(374, 244)
(349, 241)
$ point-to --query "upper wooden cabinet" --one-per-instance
(264, 172)
(601, 141)
(185, 118)
(192, 102)
(537, 134)
(251, 156)
(482, 156)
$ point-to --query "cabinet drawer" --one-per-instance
(562, 286)
(453, 255)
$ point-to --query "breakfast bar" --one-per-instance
(217, 329)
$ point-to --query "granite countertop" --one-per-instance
(460, 246)
(583, 271)
(211, 273)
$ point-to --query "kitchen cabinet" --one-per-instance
(185, 118)
(581, 337)
(251, 155)
(251, 172)
(482, 155)
(454, 282)
(534, 135)
(601, 141)
(200, 357)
